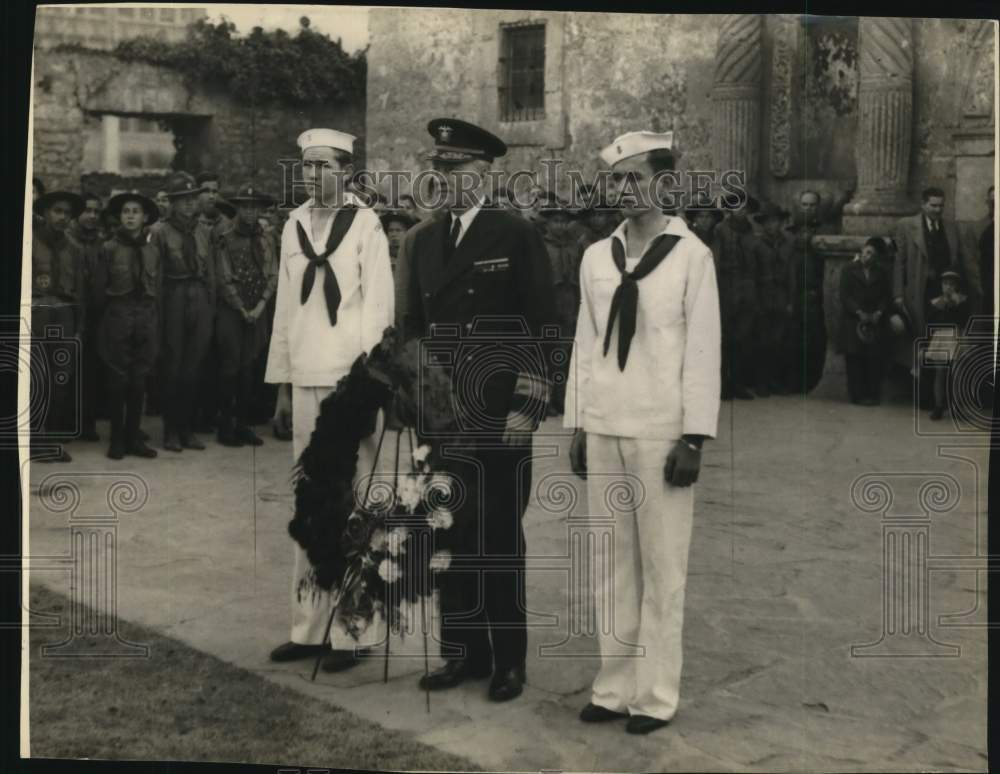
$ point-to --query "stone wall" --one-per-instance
(609, 73)
(219, 132)
(428, 63)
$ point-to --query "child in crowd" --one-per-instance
(950, 309)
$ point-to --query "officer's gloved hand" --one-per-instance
(578, 453)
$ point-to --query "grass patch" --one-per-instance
(182, 704)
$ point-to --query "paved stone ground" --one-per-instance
(786, 575)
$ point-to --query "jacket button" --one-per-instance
(468, 326)
(470, 291)
(427, 295)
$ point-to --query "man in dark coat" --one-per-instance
(865, 295)
(58, 296)
(736, 271)
(775, 284)
(466, 279)
(808, 350)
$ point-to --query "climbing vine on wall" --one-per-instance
(301, 69)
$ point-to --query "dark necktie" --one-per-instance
(331, 290)
(456, 231)
(625, 301)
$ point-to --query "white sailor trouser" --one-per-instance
(311, 614)
(640, 580)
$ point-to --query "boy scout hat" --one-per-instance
(553, 205)
(636, 143)
(327, 138)
(207, 177)
(45, 201)
(770, 210)
(114, 208)
(182, 184)
(249, 193)
(458, 141)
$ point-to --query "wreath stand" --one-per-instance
(423, 614)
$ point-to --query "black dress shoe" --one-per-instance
(937, 413)
(507, 683)
(139, 448)
(117, 450)
(454, 672)
(594, 713)
(742, 393)
(191, 441)
(170, 443)
(293, 651)
(643, 724)
(339, 660)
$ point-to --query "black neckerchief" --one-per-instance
(331, 290)
(186, 227)
(136, 244)
(626, 298)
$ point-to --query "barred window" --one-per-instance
(127, 12)
(147, 13)
(167, 14)
(522, 73)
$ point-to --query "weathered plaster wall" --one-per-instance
(72, 89)
(610, 73)
(424, 64)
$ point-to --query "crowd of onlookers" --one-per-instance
(205, 375)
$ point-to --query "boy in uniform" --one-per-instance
(643, 396)
(86, 231)
(247, 274)
(187, 257)
(335, 298)
(127, 285)
(57, 307)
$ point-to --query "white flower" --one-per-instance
(440, 518)
(395, 540)
(388, 571)
(440, 561)
(420, 453)
(410, 493)
(378, 539)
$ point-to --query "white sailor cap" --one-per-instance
(634, 143)
(326, 138)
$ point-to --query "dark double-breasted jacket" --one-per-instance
(485, 309)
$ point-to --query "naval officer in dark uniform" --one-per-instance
(475, 283)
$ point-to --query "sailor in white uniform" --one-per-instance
(643, 394)
(335, 297)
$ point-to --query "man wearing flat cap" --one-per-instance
(480, 275)
(57, 312)
(187, 258)
(643, 395)
(334, 300)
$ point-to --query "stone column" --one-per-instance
(885, 125)
(736, 95)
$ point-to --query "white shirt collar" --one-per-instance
(467, 217)
(675, 226)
